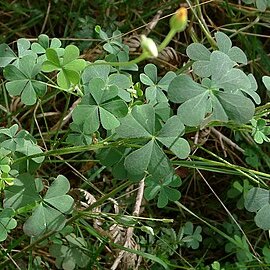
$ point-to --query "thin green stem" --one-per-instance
(202, 25)
(167, 40)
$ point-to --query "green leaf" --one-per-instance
(53, 59)
(220, 65)
(22, 193)
(170, 134)
(238, 108)
(44, 218)
(78, 136)
(150, 158)
(233, 80)
(163, 188)
(266, 81)
(237, 55)
(69, 66)
(23, 46)
(107, 119)
(223, 41)
(193, 111)
(117, 107)
(257, 200)
(154, 91)
(100, 91)
(49, 214)
(22, 80)
(71, 53)
(44, 43)
(70, 255)
(87, 116)
(182, 88)
(151, 72)
(197, 51)
(139, 123)
(101, 106)
(96, 71)
(123, 83)
(193, 237)
(56, 195)
(6, 55)
(204, 103)
(67, 77)
(7, 223)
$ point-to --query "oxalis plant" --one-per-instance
(135, 128)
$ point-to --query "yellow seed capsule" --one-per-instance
(178, 21)
(149, 46)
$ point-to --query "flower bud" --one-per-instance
(149, 46)
(178, 21)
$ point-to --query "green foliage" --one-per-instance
(141, 123)
(260, 130)
(134, 127)
(71, 253)
(49, 211)
(186, 237)
(118, 51)
(102, 106)
(257, 201)
(164, 189)
(222, 94)
(69, 66)
(7, 222)
(6, 174)
(266, 81)
(240, 248)
(191, 237)
(21, 144)
(239, 190)
(260, 4)
(22, 80)
(154, 91)
(43, 43)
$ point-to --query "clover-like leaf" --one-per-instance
(78, 136)
(257, 200)
(21, 142)
(71, 254)
(149, 158)
(115, 157)
(50, 212)
(164, 188)
(22, 80)
(123, 83)
(99, 106)
(69, 66)
(44, 43)
(6, 55)
(207, 102)
(7, 222)
(170, 136)
(154, 91)
(100, 70)
(192, 237)
(141, 123)
(22, 193)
